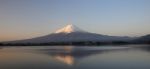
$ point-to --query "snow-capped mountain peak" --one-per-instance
(69, 29)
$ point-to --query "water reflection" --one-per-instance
(71, 57)
(143, 48)
(68, 59)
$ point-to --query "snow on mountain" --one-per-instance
(69, 29)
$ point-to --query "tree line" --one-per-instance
(64, 43)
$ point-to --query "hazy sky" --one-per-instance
(21, 19)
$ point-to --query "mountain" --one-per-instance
(143, 39)
(71, 33)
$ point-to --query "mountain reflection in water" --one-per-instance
(71, 54)
(66, 59)
(72, 57)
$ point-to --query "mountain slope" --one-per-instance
(143, 39)
(72, 33)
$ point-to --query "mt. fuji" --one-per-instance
(71, 33)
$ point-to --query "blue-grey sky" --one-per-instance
(21, 19)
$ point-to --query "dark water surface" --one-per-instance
(75, 57)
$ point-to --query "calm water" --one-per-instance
(72, 57)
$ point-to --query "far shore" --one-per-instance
(70, 43)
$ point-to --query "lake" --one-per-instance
(75, 57)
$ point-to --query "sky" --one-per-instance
(23, 19)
